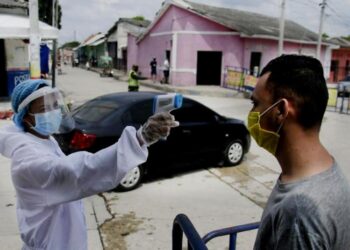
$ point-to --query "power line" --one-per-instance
(337, 17)
(314, 2)
(272, 3)
(309, 3)
(341, 17)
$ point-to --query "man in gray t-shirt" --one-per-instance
(309, 208)
(308, 214)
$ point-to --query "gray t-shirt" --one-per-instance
(313, 213)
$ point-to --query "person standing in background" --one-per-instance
(166, 69)
(134, 77)
(153, 65)
(44, 61)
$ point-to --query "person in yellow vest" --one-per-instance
(134, 79)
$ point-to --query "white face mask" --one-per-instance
(47, 123)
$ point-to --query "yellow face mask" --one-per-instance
(264, 138)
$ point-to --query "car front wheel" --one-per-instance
(234, 153)
(132, 179)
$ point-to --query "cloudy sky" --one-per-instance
(82, 18)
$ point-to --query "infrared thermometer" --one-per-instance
(167, 102)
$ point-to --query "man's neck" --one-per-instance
(302, 155)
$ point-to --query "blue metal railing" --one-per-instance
(183, 225)
(232, 231)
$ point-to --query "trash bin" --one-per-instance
(15, 77)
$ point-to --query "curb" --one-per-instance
(183, 90)
(210, 93)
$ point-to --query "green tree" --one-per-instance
(45, 12)
(325, 36)
(347, 37)
(71, 44)
(139, 18)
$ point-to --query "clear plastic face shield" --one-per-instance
(51, 113)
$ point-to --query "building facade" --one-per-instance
(14, 43)
(202, 41)
(340, 64)
(91, 50)
(117, 39)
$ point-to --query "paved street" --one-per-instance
(213, 198)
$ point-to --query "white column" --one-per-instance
(34, 40)
(174, 52)
(281, 35)
(318, 50)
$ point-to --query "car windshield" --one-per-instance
(95, 111)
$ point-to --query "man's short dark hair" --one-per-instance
(299, 79)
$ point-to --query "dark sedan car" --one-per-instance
(203, 135)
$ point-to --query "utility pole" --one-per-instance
(280, 40)
(34, 40)
(53, 12)
(53, 66)
(318, 50)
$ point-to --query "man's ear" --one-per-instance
(284, 109)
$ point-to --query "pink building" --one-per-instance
(340, 64)
(201, 41)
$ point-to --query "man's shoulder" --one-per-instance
(316, 202)
(287, 200)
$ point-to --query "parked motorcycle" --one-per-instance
(107, 67)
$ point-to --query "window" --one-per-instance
(95, 111)
(193, 112)
(140, 112)
(255, 58)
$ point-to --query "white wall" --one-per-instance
(17, 55)
(120, 35)
(15, 11)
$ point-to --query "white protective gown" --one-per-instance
(49, 184)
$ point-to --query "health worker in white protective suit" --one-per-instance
(50, 185)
